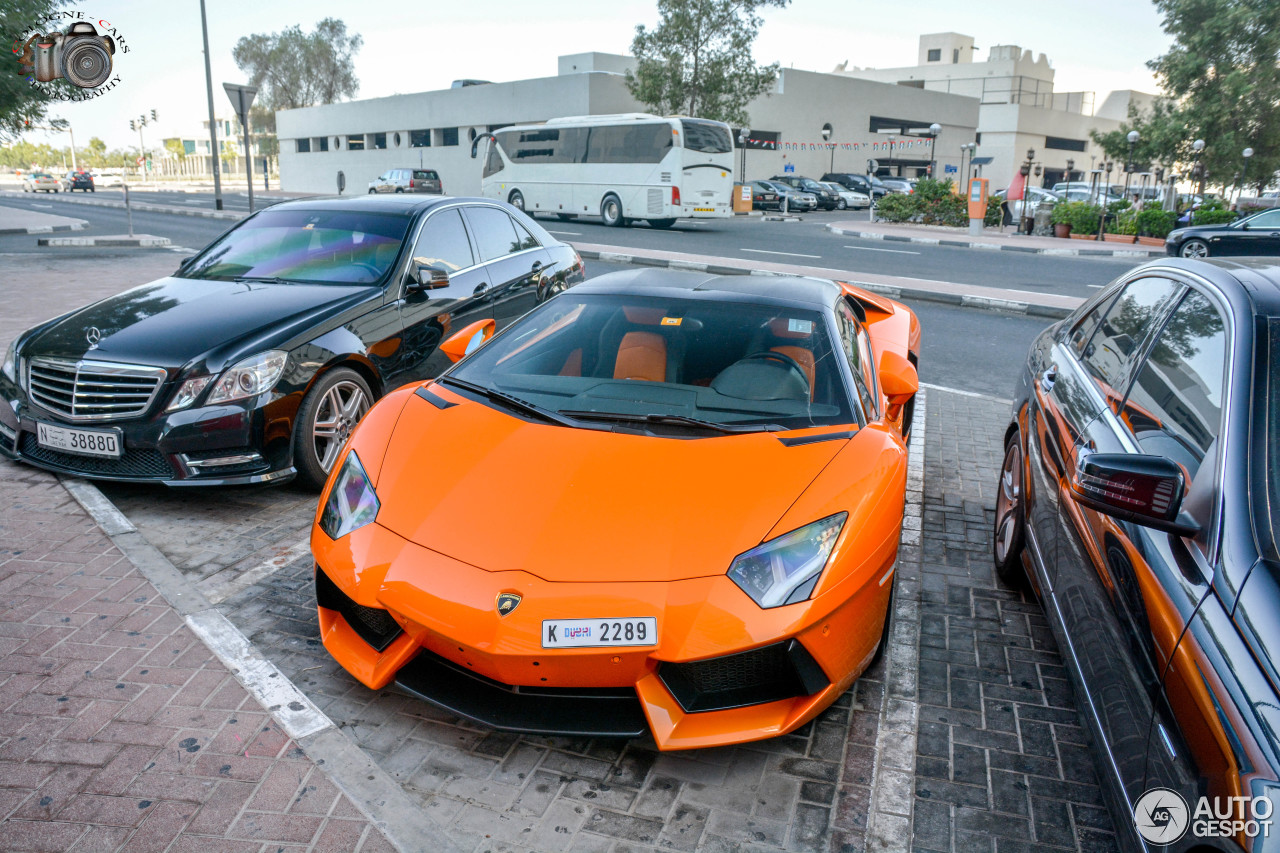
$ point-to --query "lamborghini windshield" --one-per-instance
(636, 358)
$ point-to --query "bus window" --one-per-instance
(629, 143)
(706, 137)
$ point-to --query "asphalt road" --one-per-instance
(806, 242)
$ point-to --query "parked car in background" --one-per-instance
(794, 198)
(408, 181)
(898, 185)
(107, 179)
(764, 196)
(36, 182)
(849, 199)
(826, 198)
(80, 180)
(253, 361)
(1033, 198)
(1139, 495)
(1258, 234)
(868, 185)
(760, 429)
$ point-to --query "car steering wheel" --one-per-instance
(783, 359)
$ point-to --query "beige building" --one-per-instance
(1019, 108)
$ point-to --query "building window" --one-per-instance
(977, 139)
(320, 143)
(379, 140)
(419, 139)
(935, 54)
(955, 55)
(1059, 144)
(355, 142)
(304, 146)
(396, 137)
(448, 136)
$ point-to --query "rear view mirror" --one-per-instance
(469, 339)
(898, 380)
(428, 277)
(1136, 487)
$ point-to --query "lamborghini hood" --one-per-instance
(487, 488)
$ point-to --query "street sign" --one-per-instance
(950, 169)
(241, 99)
(141, 160)
(872, 166)
(790, 167)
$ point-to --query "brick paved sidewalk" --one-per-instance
(119, 729)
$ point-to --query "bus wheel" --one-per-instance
(565, 217)
(611, 211)
(516, 200)
(661, 223)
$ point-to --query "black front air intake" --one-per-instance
(374, 625)
(782, 671)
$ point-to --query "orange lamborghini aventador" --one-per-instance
(660, 501)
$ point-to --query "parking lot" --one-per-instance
(965, 737)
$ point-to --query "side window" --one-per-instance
(850, 331)
(494, 233)
(867, 356)
(1270, 219)
(1128, 321)
(527, 240)
(1175, 406)
(1084, 328)
(443, 242)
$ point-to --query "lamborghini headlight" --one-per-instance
(786, 569)
(352, 502)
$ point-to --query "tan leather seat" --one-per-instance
(641, 355)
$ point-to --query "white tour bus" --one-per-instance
(618, 167)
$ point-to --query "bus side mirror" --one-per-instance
(475, 143)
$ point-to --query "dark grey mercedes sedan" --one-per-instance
(256, 358)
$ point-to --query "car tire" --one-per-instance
(661, 223)
(372, 191)
(611, 211)
(841, 204)
(1194, 249)
(399, 189)
(328, 414)
(888, 625)
(1009, 534)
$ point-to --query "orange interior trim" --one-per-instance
(642, 355)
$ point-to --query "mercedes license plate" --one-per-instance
(575, 633)
(89, 442)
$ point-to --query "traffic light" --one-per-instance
(153, 115)
(132, 125)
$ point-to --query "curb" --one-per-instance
(146, 207)
(142, 241)
(981, 303)
(970, 244)
(404, 822)
(78, 225)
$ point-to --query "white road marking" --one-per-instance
(569, 233)
(45, 206)
(1098, 286)
(870, 249)
(991, 397)
(787, 254)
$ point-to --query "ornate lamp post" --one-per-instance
(743, 135)
(826, 137)
(891, 141)
(934, 130)
(1102, 220)
(1128, 166)
(1244, 173)
(1197, 170)
(1071, 164)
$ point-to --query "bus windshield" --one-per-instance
(706, 136)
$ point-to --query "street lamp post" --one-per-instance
(1071, 164)
(934, 130)
(1102, 219)
(1128, 166)
(213, 124)
(891, 140)
(1024, 225)
(827, 130)
(1244, 173)
(1198, 169)
(743, 135)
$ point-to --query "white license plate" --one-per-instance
(90, 442)
(575, 633)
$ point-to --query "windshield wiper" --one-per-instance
(263, 279)
(677, 420)
(509, 401)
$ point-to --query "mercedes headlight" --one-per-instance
(352, 502)
(10, 366)
(786, 569)
(250, 377)
(188, 393)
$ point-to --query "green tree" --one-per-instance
(176, 148)
(1162, 138)
(697, 60)
(1223, 72)
(295, 69)
(23, 105)
(95, 153)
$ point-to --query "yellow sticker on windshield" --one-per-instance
(671, 321)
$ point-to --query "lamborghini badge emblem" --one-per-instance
(507, 602)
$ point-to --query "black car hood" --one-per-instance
(173, 321)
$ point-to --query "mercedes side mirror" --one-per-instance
(428, 277)
(1137, 487)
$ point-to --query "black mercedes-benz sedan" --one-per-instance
(256, 358)
(1258, 234)
(1140, 493)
